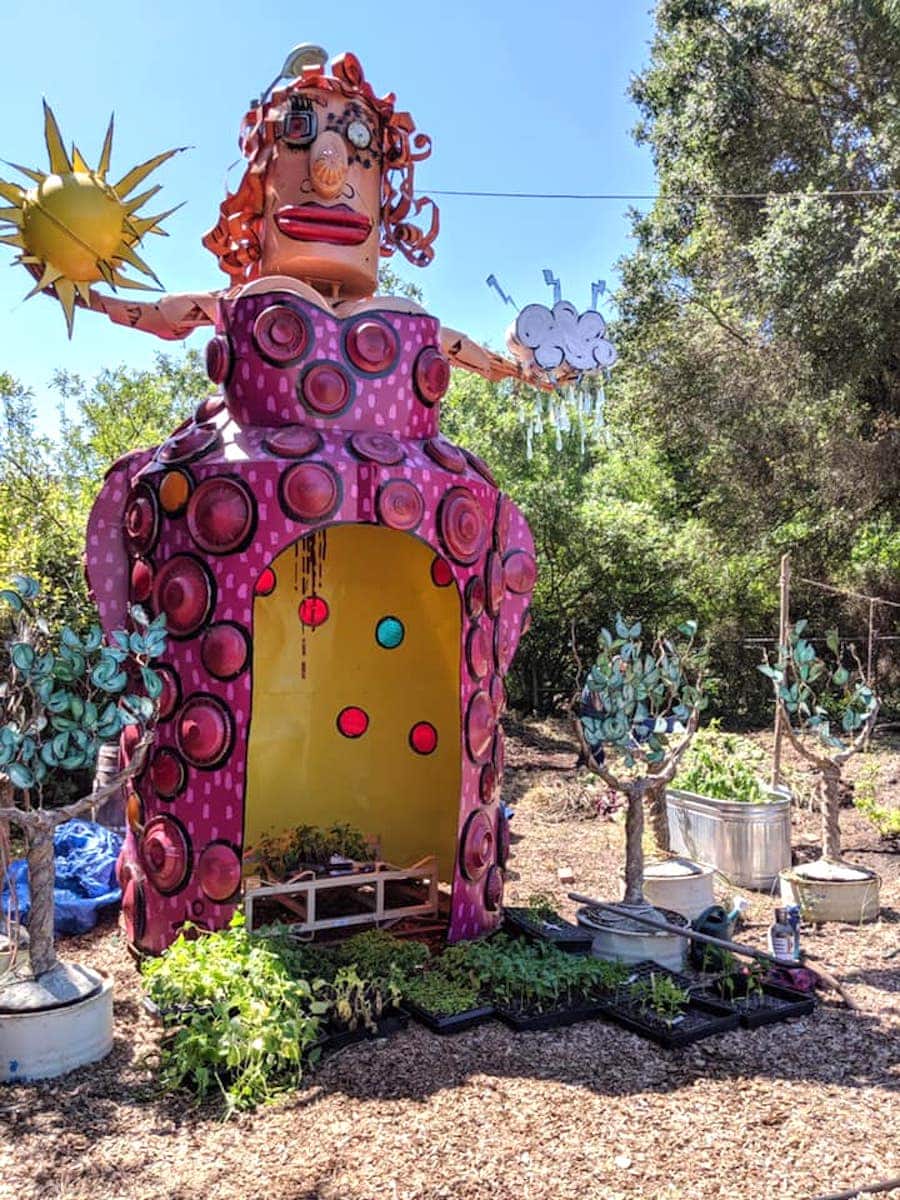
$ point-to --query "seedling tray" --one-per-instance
(776, 1003)
(525, 1022)
(702, 1018)
(562, 934)
(643, 970)
(444, 1024)
(390, 1023)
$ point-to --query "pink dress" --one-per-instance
(322, 424)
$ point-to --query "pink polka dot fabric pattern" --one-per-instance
(320, 421)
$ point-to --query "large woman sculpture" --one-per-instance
(344, 589)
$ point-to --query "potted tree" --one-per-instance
(828, 711)
(643, 704)
(724, 814)
(62, 697)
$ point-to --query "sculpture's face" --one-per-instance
(323, 195)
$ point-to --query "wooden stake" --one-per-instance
(784, 620)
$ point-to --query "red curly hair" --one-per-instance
(236, 238)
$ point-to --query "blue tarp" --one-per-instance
(86, 856)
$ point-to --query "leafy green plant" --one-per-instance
(356, 1001)
(283, 854)
(378, 954)
(62, 696)
(442, 995)
(801, 681)
(643, 703)
(529, 976)
(754, 976)
(724, 766)
(660, 995)
(237, 1022)
(246, 1012)
(541, 907)
(865, 799)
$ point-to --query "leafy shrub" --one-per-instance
(724, 766)
(885, 820)
(238, 1021)
(62, 695)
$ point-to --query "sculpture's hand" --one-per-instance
(470, 356)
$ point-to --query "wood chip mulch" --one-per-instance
(786, 1112)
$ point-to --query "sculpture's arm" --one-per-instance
(463, 352)
(169, 317)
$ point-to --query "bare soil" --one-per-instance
(796, 1110)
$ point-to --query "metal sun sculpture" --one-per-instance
(73, 227)
(323, 556)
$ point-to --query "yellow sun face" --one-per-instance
(74, 228)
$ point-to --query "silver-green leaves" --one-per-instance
(62, 696)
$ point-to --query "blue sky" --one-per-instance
(516, 96)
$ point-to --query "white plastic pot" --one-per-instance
(680, 885)
(832, 892)
(48, 1042)
(617, 940)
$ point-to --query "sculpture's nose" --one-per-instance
(328, 164)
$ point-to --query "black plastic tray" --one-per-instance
(703, 1018)
(453, 1023)
(779, 1004)
(390, 1023)
(646, 968)
(562, 934)
(555, 1019)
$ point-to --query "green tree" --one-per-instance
(758, 333)
(47, 485)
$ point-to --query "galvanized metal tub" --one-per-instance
(748, 843)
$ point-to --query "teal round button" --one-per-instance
(389, 633)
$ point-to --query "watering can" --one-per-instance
(715, 922)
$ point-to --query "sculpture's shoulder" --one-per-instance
(396, 304)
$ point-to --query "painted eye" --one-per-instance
(359, 134)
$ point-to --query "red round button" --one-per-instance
(352, 722)
(431, 375)
(220, 515)
(325, 389)
(224, 650)
(280, 334)
(423, 738)
(204, 731)
(219, 871)
(218, 359)
(372, 346)
(183, 590)
(310, 491)
(167, 773)
(166, 854)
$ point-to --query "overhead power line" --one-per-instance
(679, 198)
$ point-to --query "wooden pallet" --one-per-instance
(364, 887)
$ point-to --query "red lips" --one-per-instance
(337, 224)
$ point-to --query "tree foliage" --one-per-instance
(48, 483)
(759, 317)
